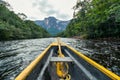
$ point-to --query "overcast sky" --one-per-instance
(40, 9)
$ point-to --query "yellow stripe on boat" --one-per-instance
(28, 70)
(101, 68)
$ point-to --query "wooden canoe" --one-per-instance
(80, 66)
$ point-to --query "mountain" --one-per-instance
(52, 25)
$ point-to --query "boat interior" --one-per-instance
(62, 62)
(79, 70)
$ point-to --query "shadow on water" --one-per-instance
(16, 55)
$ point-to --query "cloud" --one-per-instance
(42, 5)
(48, 9)
(63, 16)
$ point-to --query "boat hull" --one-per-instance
(82, 67)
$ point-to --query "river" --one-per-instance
(16, 55)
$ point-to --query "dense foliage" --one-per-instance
(13, 27)
(95, 19)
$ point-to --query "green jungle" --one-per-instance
(91, 20)
(95, 19)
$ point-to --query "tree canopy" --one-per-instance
(13, 27)
(95, 19)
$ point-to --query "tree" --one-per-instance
(13, 27)
(95, 18)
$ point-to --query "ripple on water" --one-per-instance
(107, 53)
(16, 55)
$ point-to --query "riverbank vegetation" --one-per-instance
(95, 19)
(13, 27)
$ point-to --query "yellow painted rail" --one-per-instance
(112, 75)
(28, 70)
(23, 75)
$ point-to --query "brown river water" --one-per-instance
(16, 55)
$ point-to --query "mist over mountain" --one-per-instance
(52, 25)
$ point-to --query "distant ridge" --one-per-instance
(52, 25)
